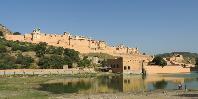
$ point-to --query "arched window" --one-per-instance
(125, 67)
(129, 67)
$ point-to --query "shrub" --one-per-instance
(159, 61)
(52, 62)
(72, 54)
(84, 62)
(40, 49)
(25, 61)
(196, 62)
(3, 49)
(16, 33)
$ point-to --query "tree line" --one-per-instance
(12, 56)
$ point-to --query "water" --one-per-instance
(120, 83)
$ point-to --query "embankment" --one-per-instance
(45, 71)
(154, 69)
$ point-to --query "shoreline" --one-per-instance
(45, 71)
(33, 82)
(156, 94)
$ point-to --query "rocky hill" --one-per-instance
(188, 57)
(4, 30)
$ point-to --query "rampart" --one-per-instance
(154, 69)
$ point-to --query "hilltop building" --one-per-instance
(79, 43)
(129, 60)
(131, 57)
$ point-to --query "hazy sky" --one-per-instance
(154, 26)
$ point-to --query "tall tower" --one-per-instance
(36, 33)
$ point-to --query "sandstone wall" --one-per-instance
(44, 71)
(154, 69)
(79, 43)
(132, 57)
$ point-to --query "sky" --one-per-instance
(154, 26)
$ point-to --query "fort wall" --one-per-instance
(132, 58)
(154, 69)
(79, 43)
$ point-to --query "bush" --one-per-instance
(40, 49)
(3, 49)
(57, 62)
(1, 33)
(50, 50)
(44, 62)
(72, 54)
(7, 66)
(25, 61)
(159, 61)
(55, 50)
(196, 62)
(7, 61)
(59, 50)
(84, 62)
(16, 33)
(52, 62)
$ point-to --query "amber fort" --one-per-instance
(130, 60)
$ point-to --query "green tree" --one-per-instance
(72, 54)
(159, 61)
(59, 50)
(25, 61)
(3, 49)
(40, 49)
(1, 33)
(85, 62)
(7, 61)
(56, 62)
(16, 33)
(160, 84)
(44, 62)
(52, 62)
(196, 62)
(55, 50)
(50, 50)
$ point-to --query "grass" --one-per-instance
(26, 87)
(100, 55)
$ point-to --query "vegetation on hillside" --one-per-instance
(15, 54)
(16, 33)
(196, 62)
(188, 57)
(159, 61)
(1, 33)
(100, 55)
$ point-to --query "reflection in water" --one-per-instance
(160, 84)
(70, 87)
(118, 83)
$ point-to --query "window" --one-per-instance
(129, 81)
(129, 68)
(125, 67)
(117, 66)
(125, 81)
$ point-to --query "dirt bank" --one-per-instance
(158, 94)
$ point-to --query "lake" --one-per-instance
(119, 83)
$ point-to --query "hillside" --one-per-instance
(4, 30)
(20, 55)
(188, 57)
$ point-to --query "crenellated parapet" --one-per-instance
(79, 43)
